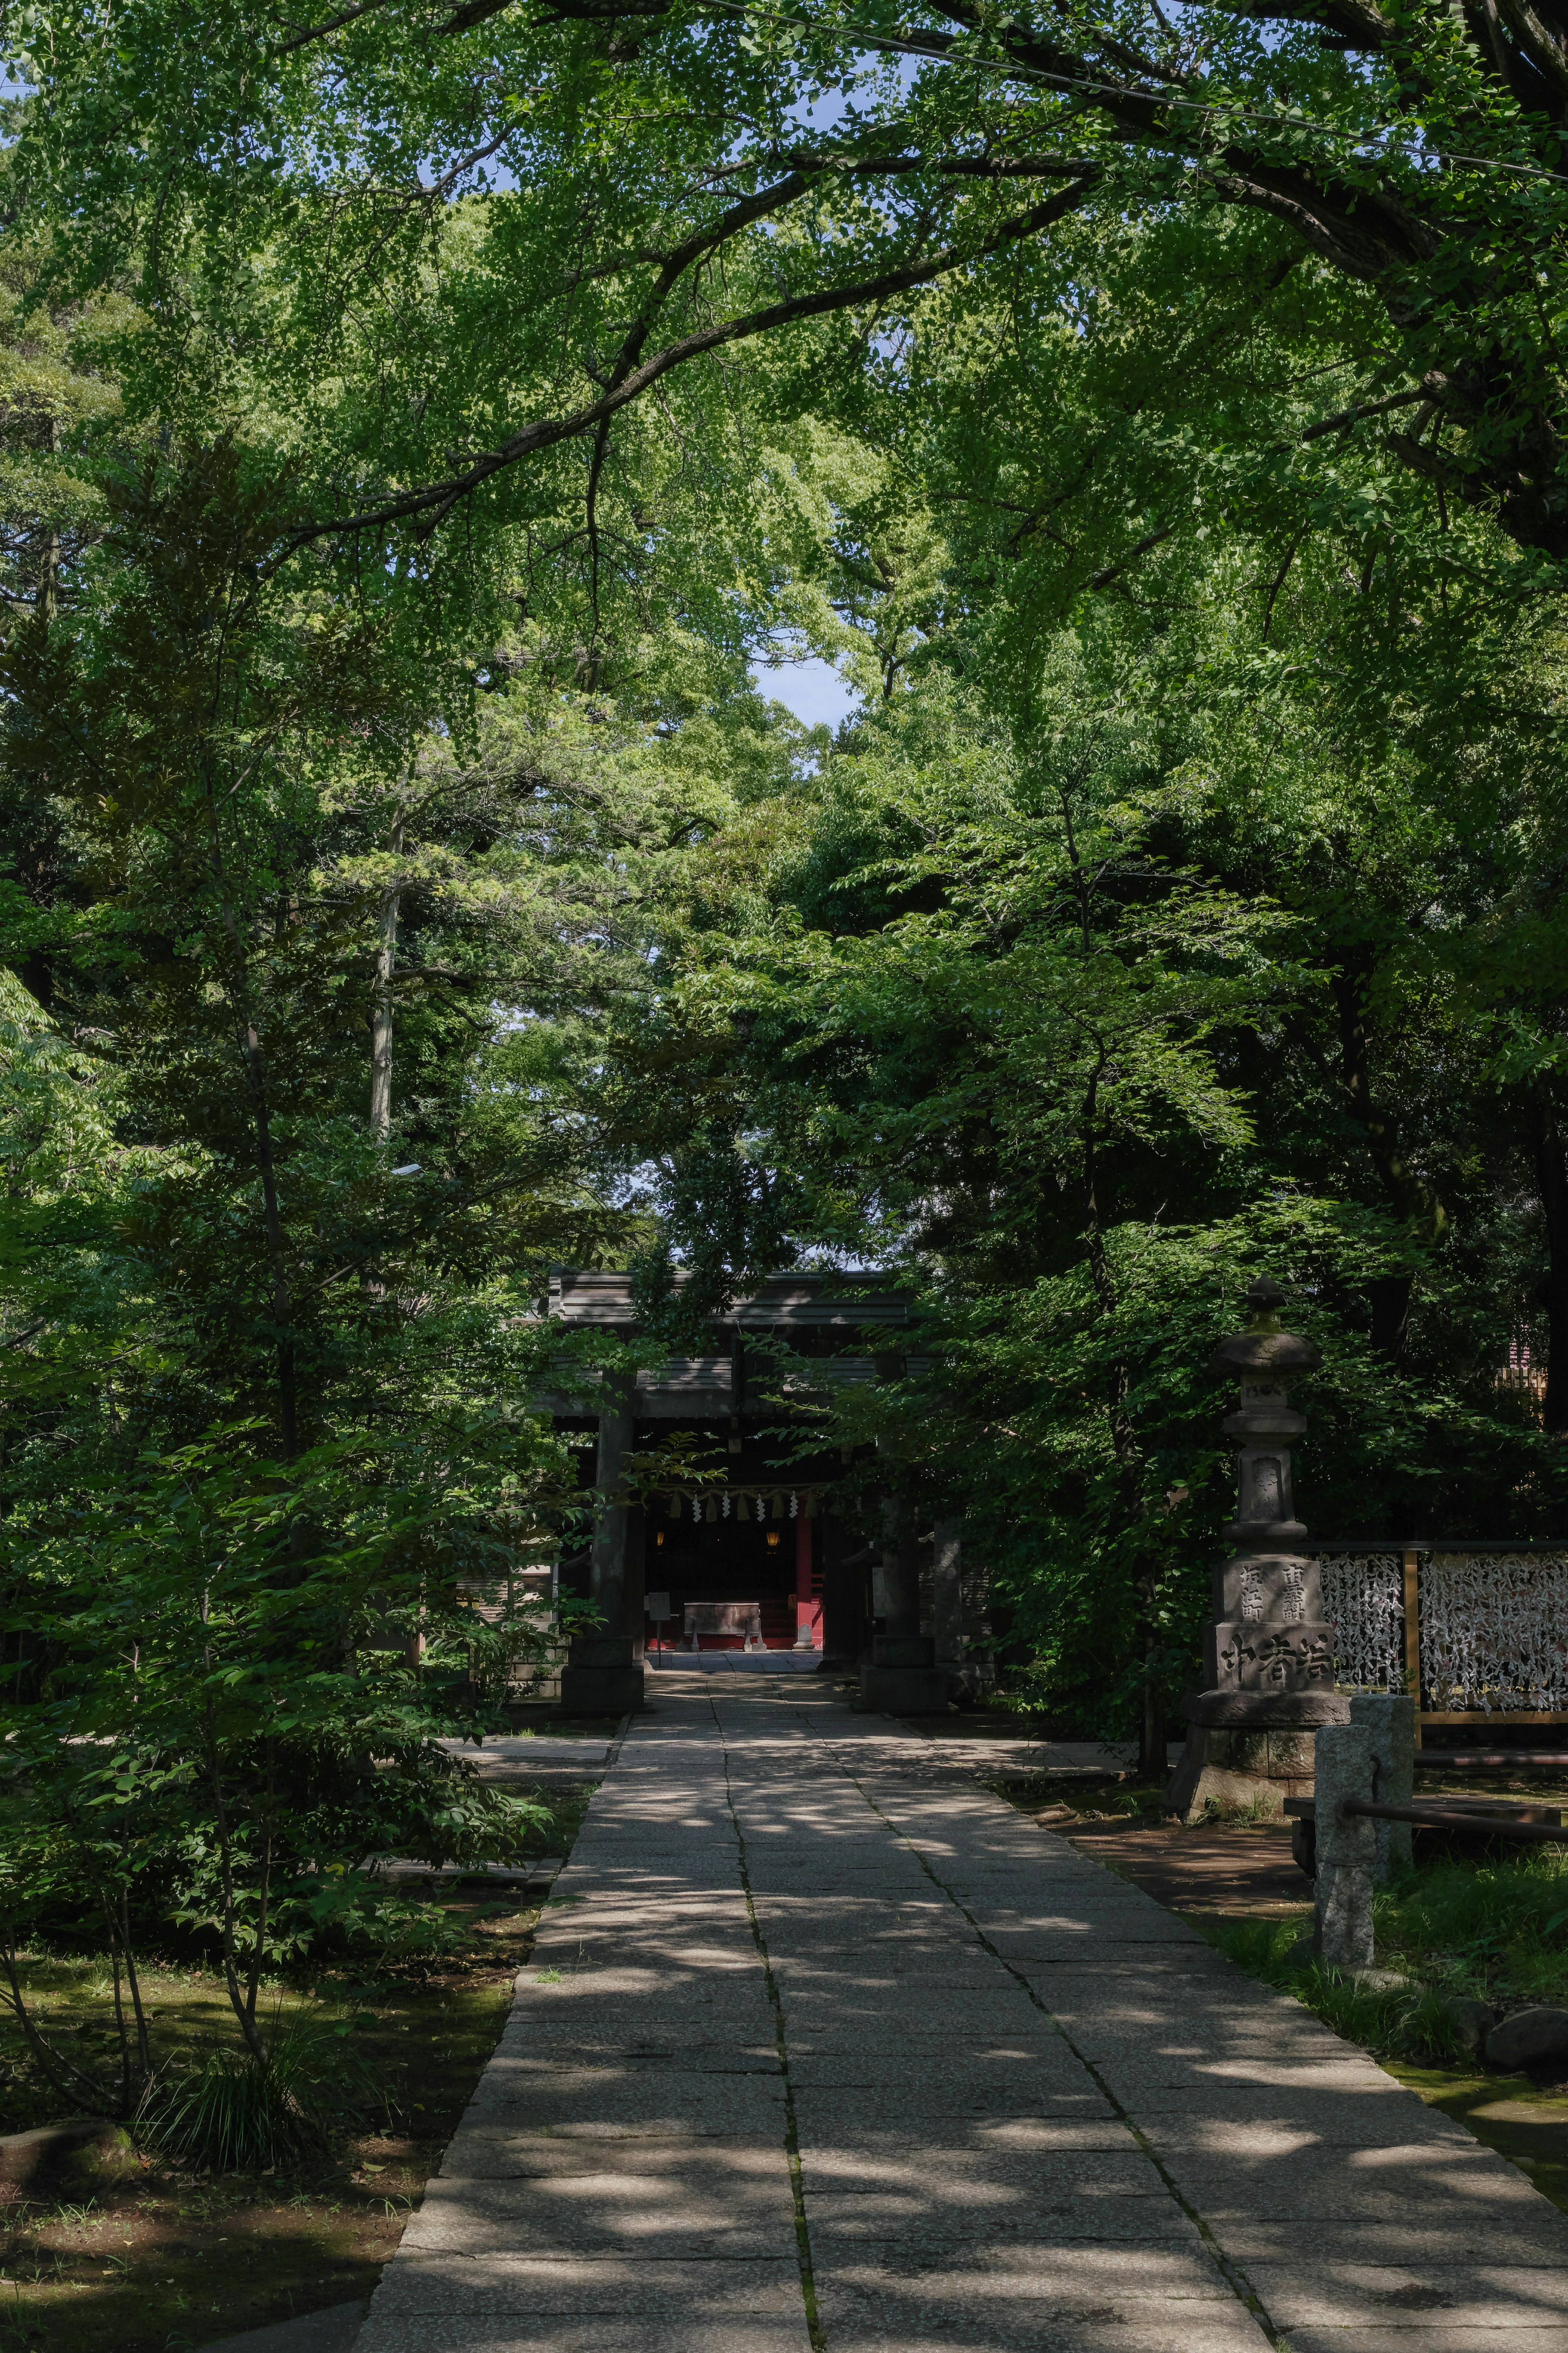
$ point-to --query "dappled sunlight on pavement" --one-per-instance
(823, 2050)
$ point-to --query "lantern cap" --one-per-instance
(1263, 1347)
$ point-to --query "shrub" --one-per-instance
(241, 2112)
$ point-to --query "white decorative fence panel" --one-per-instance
(1364, 1601)
(1494, 1632)
(1491, 1631)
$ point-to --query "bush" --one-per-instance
(250, 1672)
(1496, 1928)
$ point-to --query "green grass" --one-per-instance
(1408, 2020)
(239, 2113)
(1498, 1929)
(1494, 1930)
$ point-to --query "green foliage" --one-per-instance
(411, 428)
(272, 1471)
(247, 2112)
(1076, 1022)
(447, 261)
(1495, 1930)
(230, 1727)
(1498, 1929)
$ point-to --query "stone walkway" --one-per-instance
(818, 2057)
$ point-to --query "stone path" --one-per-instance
(676, 1662)
(531, 1757)
(816, 2057)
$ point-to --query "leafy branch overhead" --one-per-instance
(434, 244)
(431, 439)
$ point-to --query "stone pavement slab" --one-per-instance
(624, 2331)
(825, 2049)
(662, 2289)
(331, 2330)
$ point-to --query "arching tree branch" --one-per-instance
(631, 377)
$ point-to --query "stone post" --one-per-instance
(1347, 1847)
(1270, 1652)
(1388, 1718)
(603, 1675)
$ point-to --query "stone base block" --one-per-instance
(904, 1690)
(903, 1650)
(1253, 1765)
(1237, 1710)
(603, 1676)
(601, 1691)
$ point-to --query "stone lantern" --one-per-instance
(1270, 1652)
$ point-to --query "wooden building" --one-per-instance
(751, 1550)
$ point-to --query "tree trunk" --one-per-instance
(1151, 1760)
(1551, 1176)
(381, 1021)
(283, 1304)
(1123, 1438)
(46, 595)
(1410, 1197)
(1391, 1297)
(256, 1072)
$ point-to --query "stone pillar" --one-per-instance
(1270, 1652)
(959, 1623)
(603, 1675)
(634, 1581)
(900, 1609)
(902, 1677)
(843, 1594)
(1388, 1719)
(1347, 1847)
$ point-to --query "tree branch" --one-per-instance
(437, 499)
(331, 24)
(1346, 417)
(1140, 547)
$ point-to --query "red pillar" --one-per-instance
(807, 1611)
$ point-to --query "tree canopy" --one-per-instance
(422, 427)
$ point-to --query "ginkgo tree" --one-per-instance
(440, 256)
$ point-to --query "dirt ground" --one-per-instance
(165, 2261)
(1244, 1870)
